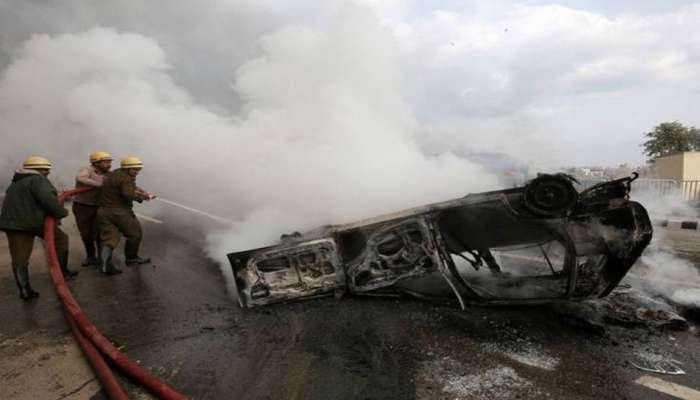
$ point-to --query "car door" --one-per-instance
(287, 271)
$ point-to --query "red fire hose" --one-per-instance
(109, 382)
(86, 329)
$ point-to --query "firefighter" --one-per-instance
(115, 216)
(28, 200)
(85, 204)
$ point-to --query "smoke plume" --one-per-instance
(664, 272)
(667, 275)
(323, 135)
(284, 116)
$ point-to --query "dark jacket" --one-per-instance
(119, 190)
(28, 200)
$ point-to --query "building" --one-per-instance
(679, 167)
(684, 169)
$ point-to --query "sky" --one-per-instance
(551, 83)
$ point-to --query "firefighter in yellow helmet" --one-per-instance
(85, 204)
(115, 216)
(28, 200)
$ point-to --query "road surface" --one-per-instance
(176, 318)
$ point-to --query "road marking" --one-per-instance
(149, 219)
(673, 389)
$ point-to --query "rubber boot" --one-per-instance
(131, 251)
(90, 262)
(137, 261)
(63, 262)
(90, 259)
(106, 266)
(22, 280)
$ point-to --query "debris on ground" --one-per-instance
(627, 307)
(651, 362)
(501, 382)
(524, 352)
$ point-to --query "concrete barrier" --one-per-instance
(676, 224)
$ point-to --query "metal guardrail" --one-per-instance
(662, 187)
(687, 190)
(690, 190)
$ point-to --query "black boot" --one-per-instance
(106, 266)
(137, 261)
(131, 251)
(63, 262)
(90, 259)
(22, 280)
(90, 262)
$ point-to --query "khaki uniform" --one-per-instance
(114, 222)
(115, 217)
(86, 220)
(21, 244)
(85, 208)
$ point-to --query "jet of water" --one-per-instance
(194, 210)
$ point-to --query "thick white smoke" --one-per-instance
(665, 273)
(309, 124)
(324, 137)
(664, 204)
(669, 276)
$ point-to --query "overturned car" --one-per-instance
(540, 242)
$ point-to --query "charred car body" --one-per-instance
(540, 242)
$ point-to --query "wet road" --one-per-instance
(176, 318)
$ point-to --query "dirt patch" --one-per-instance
(37, 366)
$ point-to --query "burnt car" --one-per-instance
(541, 242)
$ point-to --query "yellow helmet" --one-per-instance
(131, 162)
(100, 156)
(36, 162)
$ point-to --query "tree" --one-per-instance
(669, 138)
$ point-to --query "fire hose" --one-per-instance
(89, 337)
(109, 382)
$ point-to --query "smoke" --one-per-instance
(667, 275)
(284, 117)
(662, 205)
(664, 273)
(323, 134)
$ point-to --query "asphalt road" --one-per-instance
(176, 318)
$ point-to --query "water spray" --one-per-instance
(196, 211)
